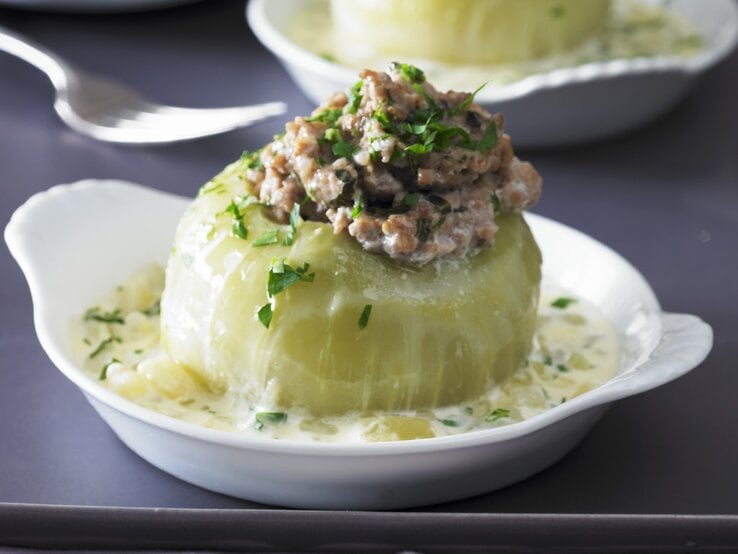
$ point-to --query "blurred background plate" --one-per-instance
(563, 106)
(93, 6)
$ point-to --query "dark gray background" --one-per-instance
(666, 197)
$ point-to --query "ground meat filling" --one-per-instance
(408, 171)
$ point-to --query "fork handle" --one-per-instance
(35, 54)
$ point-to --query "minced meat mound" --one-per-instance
(408, 171)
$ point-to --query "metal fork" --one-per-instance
(111, 112)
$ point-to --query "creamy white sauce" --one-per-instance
(635, 30)
(118, 343)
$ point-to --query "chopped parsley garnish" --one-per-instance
(252, 159)
(562, 368)
(294, 220)
(495, 201)
(103, 345)
(95, 314)
(548, 360)
(427, 97)
(104, 371)
(154, 309)
(354, 98)
(329, 117)
(237, 208)
(364, 317)
(331, 135)
(343, 149)
(238, 228)
(563, 302)
(497, 414)
(383, 118)
(488, 140)
(410, 73)
(281, 276)
(269, 418)
(339, 147)
(267, 238)
(410, 199)
(461, 108)
(449, 422)
(265, 314)
(358, 207)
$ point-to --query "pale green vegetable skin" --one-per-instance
(439, 335)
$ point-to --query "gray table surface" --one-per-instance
(666, 197)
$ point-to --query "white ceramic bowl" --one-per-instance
(108, 229)
(564, 106)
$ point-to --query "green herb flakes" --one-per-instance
(358, 206)
(411, 199)
(239, 229)
(327, 117)
(265, 314)
(281, 276)
(497, 414)
(354, 98)
(488, 140)
(294, 220)
(343, 149)
(364, 317)
(411, 73)
(104, 371)
(153, 310)
(103, 345)
(268, 418)
(252, 159)
(461, 108)
(563, 302)
(495, 201)
(96, 314)
(267, 238)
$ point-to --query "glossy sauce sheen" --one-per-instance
(118, 342)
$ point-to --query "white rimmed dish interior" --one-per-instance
(559, 107)
(109, 229)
